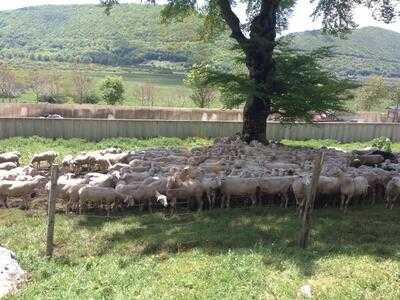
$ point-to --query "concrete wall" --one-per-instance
(18, 110)
(97, 129)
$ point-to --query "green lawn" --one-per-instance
(222, 254)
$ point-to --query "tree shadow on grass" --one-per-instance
(270, 232)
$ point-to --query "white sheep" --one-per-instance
(49, 157)
(10, 157)
(392, 192)
(239, 187)
(8, 166)
(102, 196)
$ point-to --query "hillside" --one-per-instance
(132, 35)
(366, 51)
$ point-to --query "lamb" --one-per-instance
(392, 192)
(10, 157)
(48, 157)
(8, 166)
(108, 197)
(237, 186)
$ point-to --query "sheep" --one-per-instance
(67, 163)
(279, 186)
(145, 193)
(101, 180)
(237, 186)
(22, 189)
(117, 157)
(108, 197)
(110, 151)
(8, 166)
(392, 192)
(351, 187)
(211, 185)
(48, 157)
(10, 157)
(188, 189)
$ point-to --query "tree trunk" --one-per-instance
(255, 116)
(260, 64)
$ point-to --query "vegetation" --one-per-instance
(112, 90)
(373, 95)
(75, 34)
(364, 52)
(224, 254)
(382, 143)
(202, 92)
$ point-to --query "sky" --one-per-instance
(300, 21)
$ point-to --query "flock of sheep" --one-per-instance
(227, 173)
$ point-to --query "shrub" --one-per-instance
(382, 143)
(112, 90)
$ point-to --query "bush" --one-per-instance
(53, 99)
(382, 143)
(112, 90)
(91, 99)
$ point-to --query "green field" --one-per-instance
(222, 254)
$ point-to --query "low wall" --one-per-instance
(22, 110)
(97, 129)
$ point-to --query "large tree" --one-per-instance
(257, 38)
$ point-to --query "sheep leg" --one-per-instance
(209, 200)
(4, 199)
(150, 206)
(343, 200)
(286, 198)
(199, 203)
(228, 201)
(347, 203)
(222, 201)
(213, 196)
(253, 200)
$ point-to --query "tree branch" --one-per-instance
(233, 21)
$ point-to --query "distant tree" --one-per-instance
(47, 86)
(8, 83)
(112, 90)
(202, 92)
(372, 94)
(81, 86)
(146, 93)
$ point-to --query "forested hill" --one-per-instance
(134, 35)
(366, 51)
(131, 35)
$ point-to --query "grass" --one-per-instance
(222, 254)
(31, 145)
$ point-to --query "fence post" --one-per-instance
(311, 192)
(51, 210)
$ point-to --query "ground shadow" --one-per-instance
(271, 232)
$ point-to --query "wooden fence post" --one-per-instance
(51, 210)
(311, 192)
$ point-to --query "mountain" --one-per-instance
(131, 35)
(366, 51)
(134, 35)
